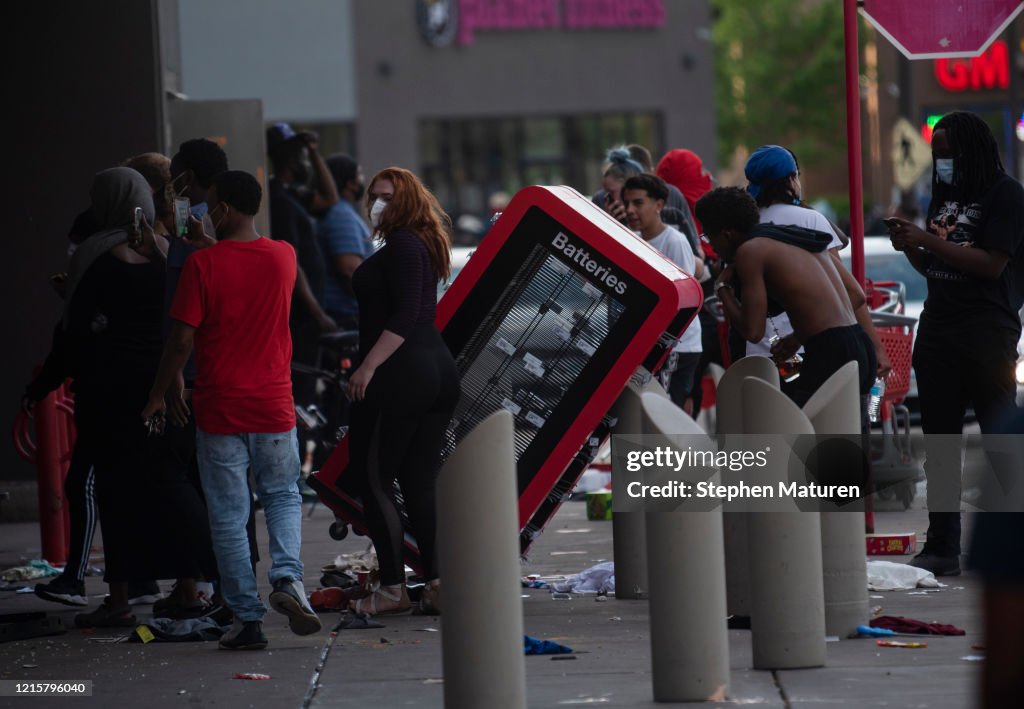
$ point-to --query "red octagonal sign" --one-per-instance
(941, 28)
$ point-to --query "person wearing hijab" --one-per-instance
(112, 318)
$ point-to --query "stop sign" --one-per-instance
(941, 28)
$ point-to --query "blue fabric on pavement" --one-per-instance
(534, 646)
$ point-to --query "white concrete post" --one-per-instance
(835, 409)
(478, 553)
(628, 546)
(689, 639)
(786, 595)
(729, 404)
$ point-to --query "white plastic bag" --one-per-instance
(890, 576)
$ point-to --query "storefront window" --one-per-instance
(466, 161)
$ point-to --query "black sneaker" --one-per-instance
(938, 565)
(63, 590)
(289, 598)
(245, 636)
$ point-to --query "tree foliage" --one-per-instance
(779, 76)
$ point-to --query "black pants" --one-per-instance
(153, 520)
(397, 433)
(953, 372)
(826, 353)
(83, 510)
(185, 506)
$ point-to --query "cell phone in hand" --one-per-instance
(892, 223)
(182, 211)
(137, 220)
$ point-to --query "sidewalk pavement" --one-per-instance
(400, 665)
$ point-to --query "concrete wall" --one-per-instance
(530, 72)
(86, 94)
(296, 56)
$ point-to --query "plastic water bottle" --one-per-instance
(875, 402)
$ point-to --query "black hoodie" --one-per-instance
(807, 239)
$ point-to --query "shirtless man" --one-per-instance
(773, 268)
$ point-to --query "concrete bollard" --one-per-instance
(729, 398)
(835, 409)
(478, 553)
(689, 638)
(628, 546)
(786, 594)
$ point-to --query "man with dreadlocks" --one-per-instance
(966, 345)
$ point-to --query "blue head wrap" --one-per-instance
(620, 158)
(769, 162)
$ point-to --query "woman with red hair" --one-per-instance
(406, 387)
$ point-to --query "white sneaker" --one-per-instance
(289, 598)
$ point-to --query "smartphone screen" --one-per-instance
(182, 211)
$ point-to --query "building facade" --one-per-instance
(477, 96)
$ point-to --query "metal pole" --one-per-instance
(478, 551)
(1012, 37)
(853, 139)
(689, 638)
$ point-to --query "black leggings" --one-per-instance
(397, 433)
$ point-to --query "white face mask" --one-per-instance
(944, 170)
(375, 212)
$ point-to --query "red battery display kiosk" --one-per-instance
(557, 308)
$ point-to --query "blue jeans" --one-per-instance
(224, 461)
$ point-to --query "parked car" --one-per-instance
(460, 257)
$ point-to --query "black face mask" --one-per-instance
(358, 193)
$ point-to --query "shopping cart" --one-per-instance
(895, 470)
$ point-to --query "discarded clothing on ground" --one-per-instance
(898, 624)
(596, 579)
(169, 630)
(534, 646)
(357, 562)
(890, 576)
(35, 569)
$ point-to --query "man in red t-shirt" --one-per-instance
(232, 306)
